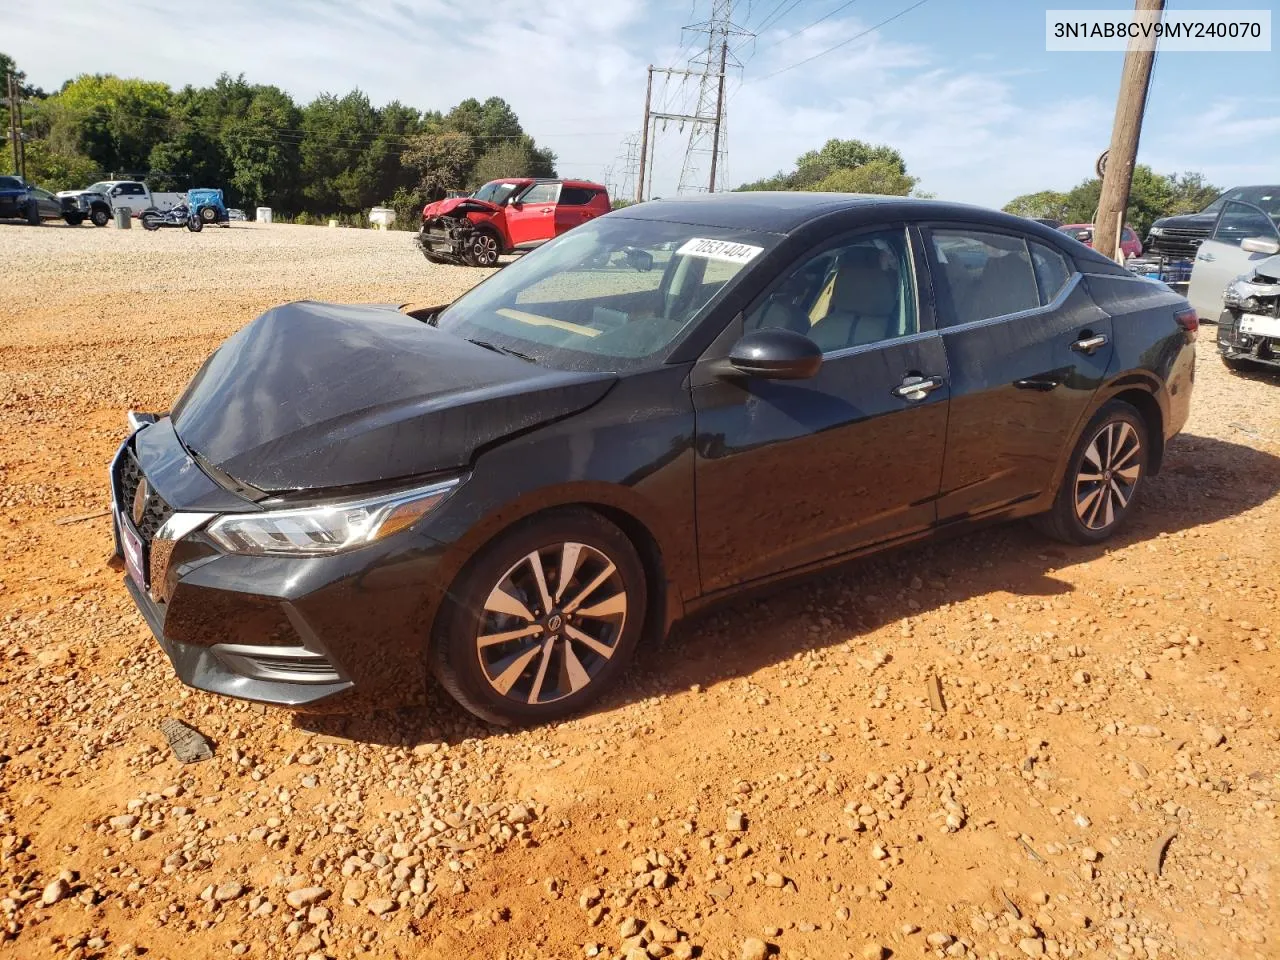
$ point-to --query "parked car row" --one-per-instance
(99, 202)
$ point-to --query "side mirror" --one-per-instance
(514, 202)
(775, 354)
(1260, 245)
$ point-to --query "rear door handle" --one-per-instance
(1090, 344)
(917, 388)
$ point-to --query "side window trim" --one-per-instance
(926, 230)
(924, 319)
(1069, 264)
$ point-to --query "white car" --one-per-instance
(1242, 236)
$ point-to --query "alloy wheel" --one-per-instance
(1108, 474)
(484, 249)
(551, 623)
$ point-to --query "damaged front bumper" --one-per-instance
(446, 239)
(1249, 328)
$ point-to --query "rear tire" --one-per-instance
(150, 222)
(557, 658)
(1103, 479)
(208, 214)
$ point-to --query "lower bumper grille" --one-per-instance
(287, 664)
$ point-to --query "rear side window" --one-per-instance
(576, 196)
(984, 275)
(1052, 272)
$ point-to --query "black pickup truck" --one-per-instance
(21, 200)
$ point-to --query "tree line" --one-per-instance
(1152, 196)
(335, 155)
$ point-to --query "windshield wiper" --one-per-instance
(497, 349)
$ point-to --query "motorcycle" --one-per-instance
(179, 216)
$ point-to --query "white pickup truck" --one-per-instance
(96, 203)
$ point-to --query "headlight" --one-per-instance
(1156, 231)
(327, 528)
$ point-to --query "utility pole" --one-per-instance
(13, 121)
(715, 135)
(15, 107)
(644, 137)
(1135, 78)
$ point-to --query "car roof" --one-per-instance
(787, 211)
(567, 182)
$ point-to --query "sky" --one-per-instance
(964, 90)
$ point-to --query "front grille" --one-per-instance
(156, 510)
(1176, 241)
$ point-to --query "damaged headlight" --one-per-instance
(1156, 231)
(327, 528)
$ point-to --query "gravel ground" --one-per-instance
(781, 777)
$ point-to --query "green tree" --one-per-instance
(831, 168)
(119, 120)
(263, 157)
(1191, 192)
(876, 176)
(1046, 203)
(59, 171)
(440, 162)
(507, 159)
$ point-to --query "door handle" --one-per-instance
(917, 388)
(1090, 344)
(546, 209)
(1206, 257)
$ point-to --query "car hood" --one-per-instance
(445, 208)
(1187, 221)
(315, 395)
(1265, 272)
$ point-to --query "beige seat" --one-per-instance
(864, 303)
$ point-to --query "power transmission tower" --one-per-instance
(1117, 179)
(629, 159)
(708, 115)
(706, 123)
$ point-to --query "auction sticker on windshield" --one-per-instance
(725, 250)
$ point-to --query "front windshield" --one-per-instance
(495, 192)
(612, 294)
(99, 187)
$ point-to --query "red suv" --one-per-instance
(506, 216)
(1130, 245)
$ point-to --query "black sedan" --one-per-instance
(648, 414)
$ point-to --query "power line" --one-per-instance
(770, 21)
(796, 33)
(842, 43)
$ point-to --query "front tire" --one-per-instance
(483, 249)
(519, 640)
(73, 219)
(1104, 477)
(33, 214)
(100, 216)
(195, 224)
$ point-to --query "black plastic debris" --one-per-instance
(187, 743)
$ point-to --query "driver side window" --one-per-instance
(858, 293)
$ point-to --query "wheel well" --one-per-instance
(1147, 406)
(642, 539)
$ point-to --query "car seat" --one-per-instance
(864, 303)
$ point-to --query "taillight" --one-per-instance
(1188, 321)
